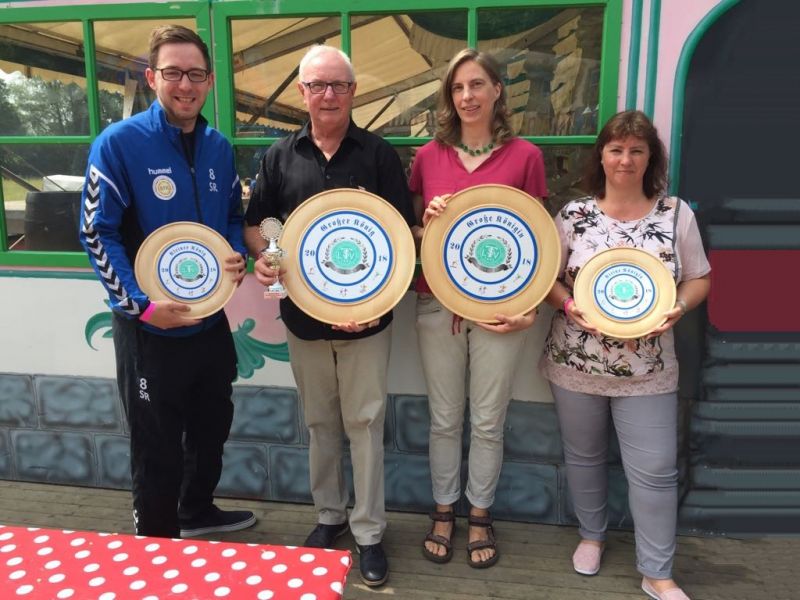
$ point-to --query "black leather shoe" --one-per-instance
(324, 536)
(373, 564)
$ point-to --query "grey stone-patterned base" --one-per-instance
(266, 415)
(619, 516)
(71, 430)
(245, 473)
(55, 457)
(72, 403)
(113, 461)
(6, 459)
(528, 492)
(17, 408)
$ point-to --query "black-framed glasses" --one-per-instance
(175, 74)
(319, 87)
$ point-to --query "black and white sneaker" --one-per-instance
(217, 520)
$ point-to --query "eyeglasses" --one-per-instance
(175, 74)
(319, 87)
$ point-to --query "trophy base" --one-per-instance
(275, 291)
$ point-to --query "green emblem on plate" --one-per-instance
(345, 255)
(188, 269)
(490, 253)
(624, 291)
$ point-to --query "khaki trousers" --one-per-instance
(448, 357)
(342, 386)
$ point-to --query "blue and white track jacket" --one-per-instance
(138, 179)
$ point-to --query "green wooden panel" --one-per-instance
(754, 347)
(745, 479)
(745, 498)
(738, 521)
(748, 411)
(754, 237)
(758, 210)
(753, 394)
(744, 375)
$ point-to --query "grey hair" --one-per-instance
(319, 50)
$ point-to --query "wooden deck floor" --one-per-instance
(535, 562)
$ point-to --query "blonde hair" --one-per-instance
(448, 123)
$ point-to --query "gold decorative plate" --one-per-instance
(495, 249)
(185, 262)
(624, 292)
(349, 256)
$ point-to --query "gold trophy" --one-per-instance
(270, 230)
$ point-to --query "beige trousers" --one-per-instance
(449, 357)
(342, 386)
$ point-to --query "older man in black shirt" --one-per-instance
(340, 371)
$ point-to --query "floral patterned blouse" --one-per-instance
(579, 361)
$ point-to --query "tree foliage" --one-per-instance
(37, 107)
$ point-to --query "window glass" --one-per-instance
(551, 63)
(121, 51)
(406, 154)
(266, 55)
(42, 79)
(41, 190)
(564, 167)
(399, 62)
(248, 159)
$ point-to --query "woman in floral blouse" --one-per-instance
(635, 381)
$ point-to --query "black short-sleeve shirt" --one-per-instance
(294, 169)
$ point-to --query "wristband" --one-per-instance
(567, 301)
(682, 305)
(148, 312)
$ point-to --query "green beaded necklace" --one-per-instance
(477, 151)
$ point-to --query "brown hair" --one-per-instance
(630, 123)
(448, 124)
(175, 34)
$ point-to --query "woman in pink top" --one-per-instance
(473, 145)
(595, 378)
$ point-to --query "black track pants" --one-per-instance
(177, 398)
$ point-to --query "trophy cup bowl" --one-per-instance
(270, 230)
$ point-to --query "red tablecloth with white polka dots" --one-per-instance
(52, 564)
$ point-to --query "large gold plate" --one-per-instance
(494, 250)
(624, 292)
(185, 262)
(349, 256)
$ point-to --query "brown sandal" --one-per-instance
(491, 542)
(445, 517)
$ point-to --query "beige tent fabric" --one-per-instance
(398, 63)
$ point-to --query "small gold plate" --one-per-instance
(624, 292)
(185, 262)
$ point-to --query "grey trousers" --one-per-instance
(491, 360)
(647, 431)
(342, 386)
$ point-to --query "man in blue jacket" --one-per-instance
(174, 372)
